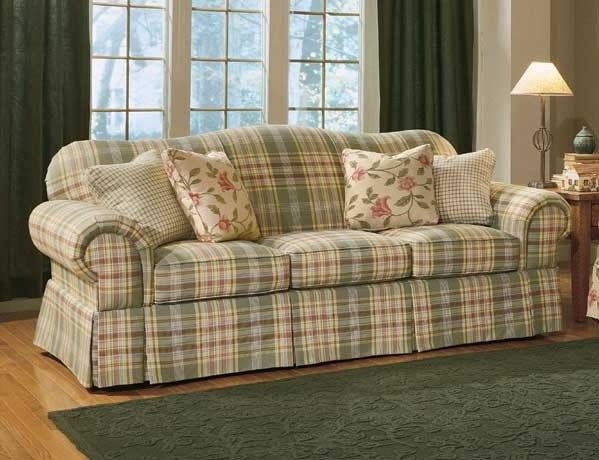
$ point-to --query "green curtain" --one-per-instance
(426, 67)
(44, 104)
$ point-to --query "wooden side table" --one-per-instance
(584, 225)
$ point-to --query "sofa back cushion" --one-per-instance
(293, 174)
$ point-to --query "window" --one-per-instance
(324, 65)
(176, 67)
(128, 69)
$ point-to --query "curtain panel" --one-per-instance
(426, 67)
(44, 104)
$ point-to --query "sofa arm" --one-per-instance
(93, 243)
(538, 218)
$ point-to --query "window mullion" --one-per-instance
(179, 67)
(369, 84)
(277, 61)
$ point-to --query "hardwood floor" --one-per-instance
(32, 384)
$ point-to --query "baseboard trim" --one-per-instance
(20, 305)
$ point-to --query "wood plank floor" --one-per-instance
(32, 384)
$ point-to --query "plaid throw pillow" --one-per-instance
(212, 195)
(463, 187)
(383, 191)
(141, 191)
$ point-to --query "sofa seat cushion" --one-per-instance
(191, 270)
(458, 249)
(340, 257)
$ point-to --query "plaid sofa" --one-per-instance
(120, 311)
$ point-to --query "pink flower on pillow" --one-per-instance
(224, 223)
(593, 296)
(195, 198)
(224, 182)
(424, 159)
(206, 238)
(358, 174)
(381, 207)
(170, 170)
(407, 183)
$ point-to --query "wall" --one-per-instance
(563, 109)
(511, 34)
(575, 50)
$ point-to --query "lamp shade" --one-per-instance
(542, 79)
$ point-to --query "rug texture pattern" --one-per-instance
(534, 403)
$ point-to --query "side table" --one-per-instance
(584, 226)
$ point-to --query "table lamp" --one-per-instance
(542, 79)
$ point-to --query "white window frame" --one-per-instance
(276, 63)
(128, 59)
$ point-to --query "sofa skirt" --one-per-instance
(166, 343)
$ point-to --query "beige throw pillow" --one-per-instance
(212, 195)
(141, 191)
(383, 191)
(463, 187)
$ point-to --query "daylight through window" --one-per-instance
(128, 69)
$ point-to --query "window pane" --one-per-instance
(211, 4)
(342, 85)
(108, 125)
(109, 31)
(207, 34)
(147, 32)
(245, 85)
(245, 35)
(243, 118)
(343, 37)
(306, 118)
(146, 84)
(203, 122)
(305, 83)
(145, 125)
(148, 2)
(343, 6)
(109, 83)
(306, 5)
(245, 4)
(341, 120)
(207, 85)
(305, 36)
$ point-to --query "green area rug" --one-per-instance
(534, 403)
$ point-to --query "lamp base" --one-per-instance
(539, 184)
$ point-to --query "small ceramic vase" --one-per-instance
(584, 142)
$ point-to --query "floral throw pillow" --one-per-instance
(383, 191)
(212, 195)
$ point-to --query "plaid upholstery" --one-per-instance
(64, 329)
(538, 218)
(118, 269)
(352, 321)
(293, 176)
(458, 249)
(118, 347)
(141, 191)
(455, 311)
(99, 316)
(190, 270)
(392, 143)
(221, 336)
(462, 187)
(546, 300)
(82, 289)
(339, 257)
(66, 232)
(65, 177)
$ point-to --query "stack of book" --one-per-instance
(581, 173)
